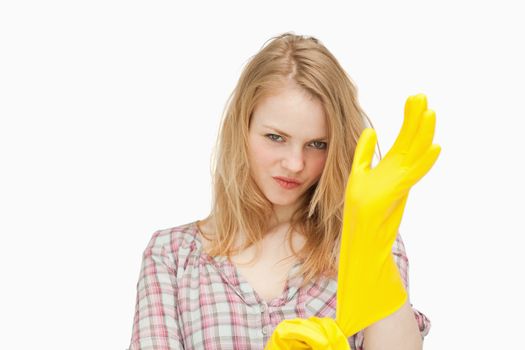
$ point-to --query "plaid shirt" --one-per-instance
(187, 299)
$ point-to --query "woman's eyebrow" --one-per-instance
(323, 138)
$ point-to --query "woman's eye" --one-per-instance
(316, 144)
(319, 144)
(273, 137)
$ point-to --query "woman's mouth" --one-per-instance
(286, 184)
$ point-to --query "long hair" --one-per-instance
(238, 205)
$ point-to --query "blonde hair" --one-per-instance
(238, 205)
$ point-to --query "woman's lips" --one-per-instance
(286, 184)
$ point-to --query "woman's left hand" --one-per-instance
(312, 333)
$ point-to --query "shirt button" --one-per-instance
(265, 330)
(263, 308)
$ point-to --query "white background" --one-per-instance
(110, 109)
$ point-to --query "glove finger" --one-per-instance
(285, 336)
(414, 106)
(422, 166)
(276, 343)
(301, 331)
(311, 333)
(364, 151)
(423, 139)
(295, 328)
(337, 339)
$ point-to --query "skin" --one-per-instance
(301, 155)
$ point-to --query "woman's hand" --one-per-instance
(369, 285)
(312, 333)
(380, 190)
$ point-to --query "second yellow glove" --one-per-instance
(312, 333)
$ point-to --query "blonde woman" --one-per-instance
(268, 251)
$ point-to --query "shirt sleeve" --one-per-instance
(155, 324)
(401, 259)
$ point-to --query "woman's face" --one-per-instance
(287, 138)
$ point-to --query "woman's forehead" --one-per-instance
(289, 107)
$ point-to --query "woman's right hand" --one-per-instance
(369, 285)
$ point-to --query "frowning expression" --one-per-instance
(287, 140)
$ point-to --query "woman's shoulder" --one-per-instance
(175, 242)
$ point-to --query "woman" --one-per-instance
(269, 249)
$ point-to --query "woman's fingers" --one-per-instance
(422, 165)
(423, 139)
(364, 151)
(300, 332)
(312, 334)
(414, 106)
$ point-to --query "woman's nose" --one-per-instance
(294, 160)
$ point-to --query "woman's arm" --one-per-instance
(402, 321)
(397, 331)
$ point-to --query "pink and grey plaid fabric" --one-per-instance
(189, 300)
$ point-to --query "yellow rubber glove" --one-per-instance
(370, 287)
(312, 333)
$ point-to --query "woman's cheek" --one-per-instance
(262, 153)
(319, 164)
